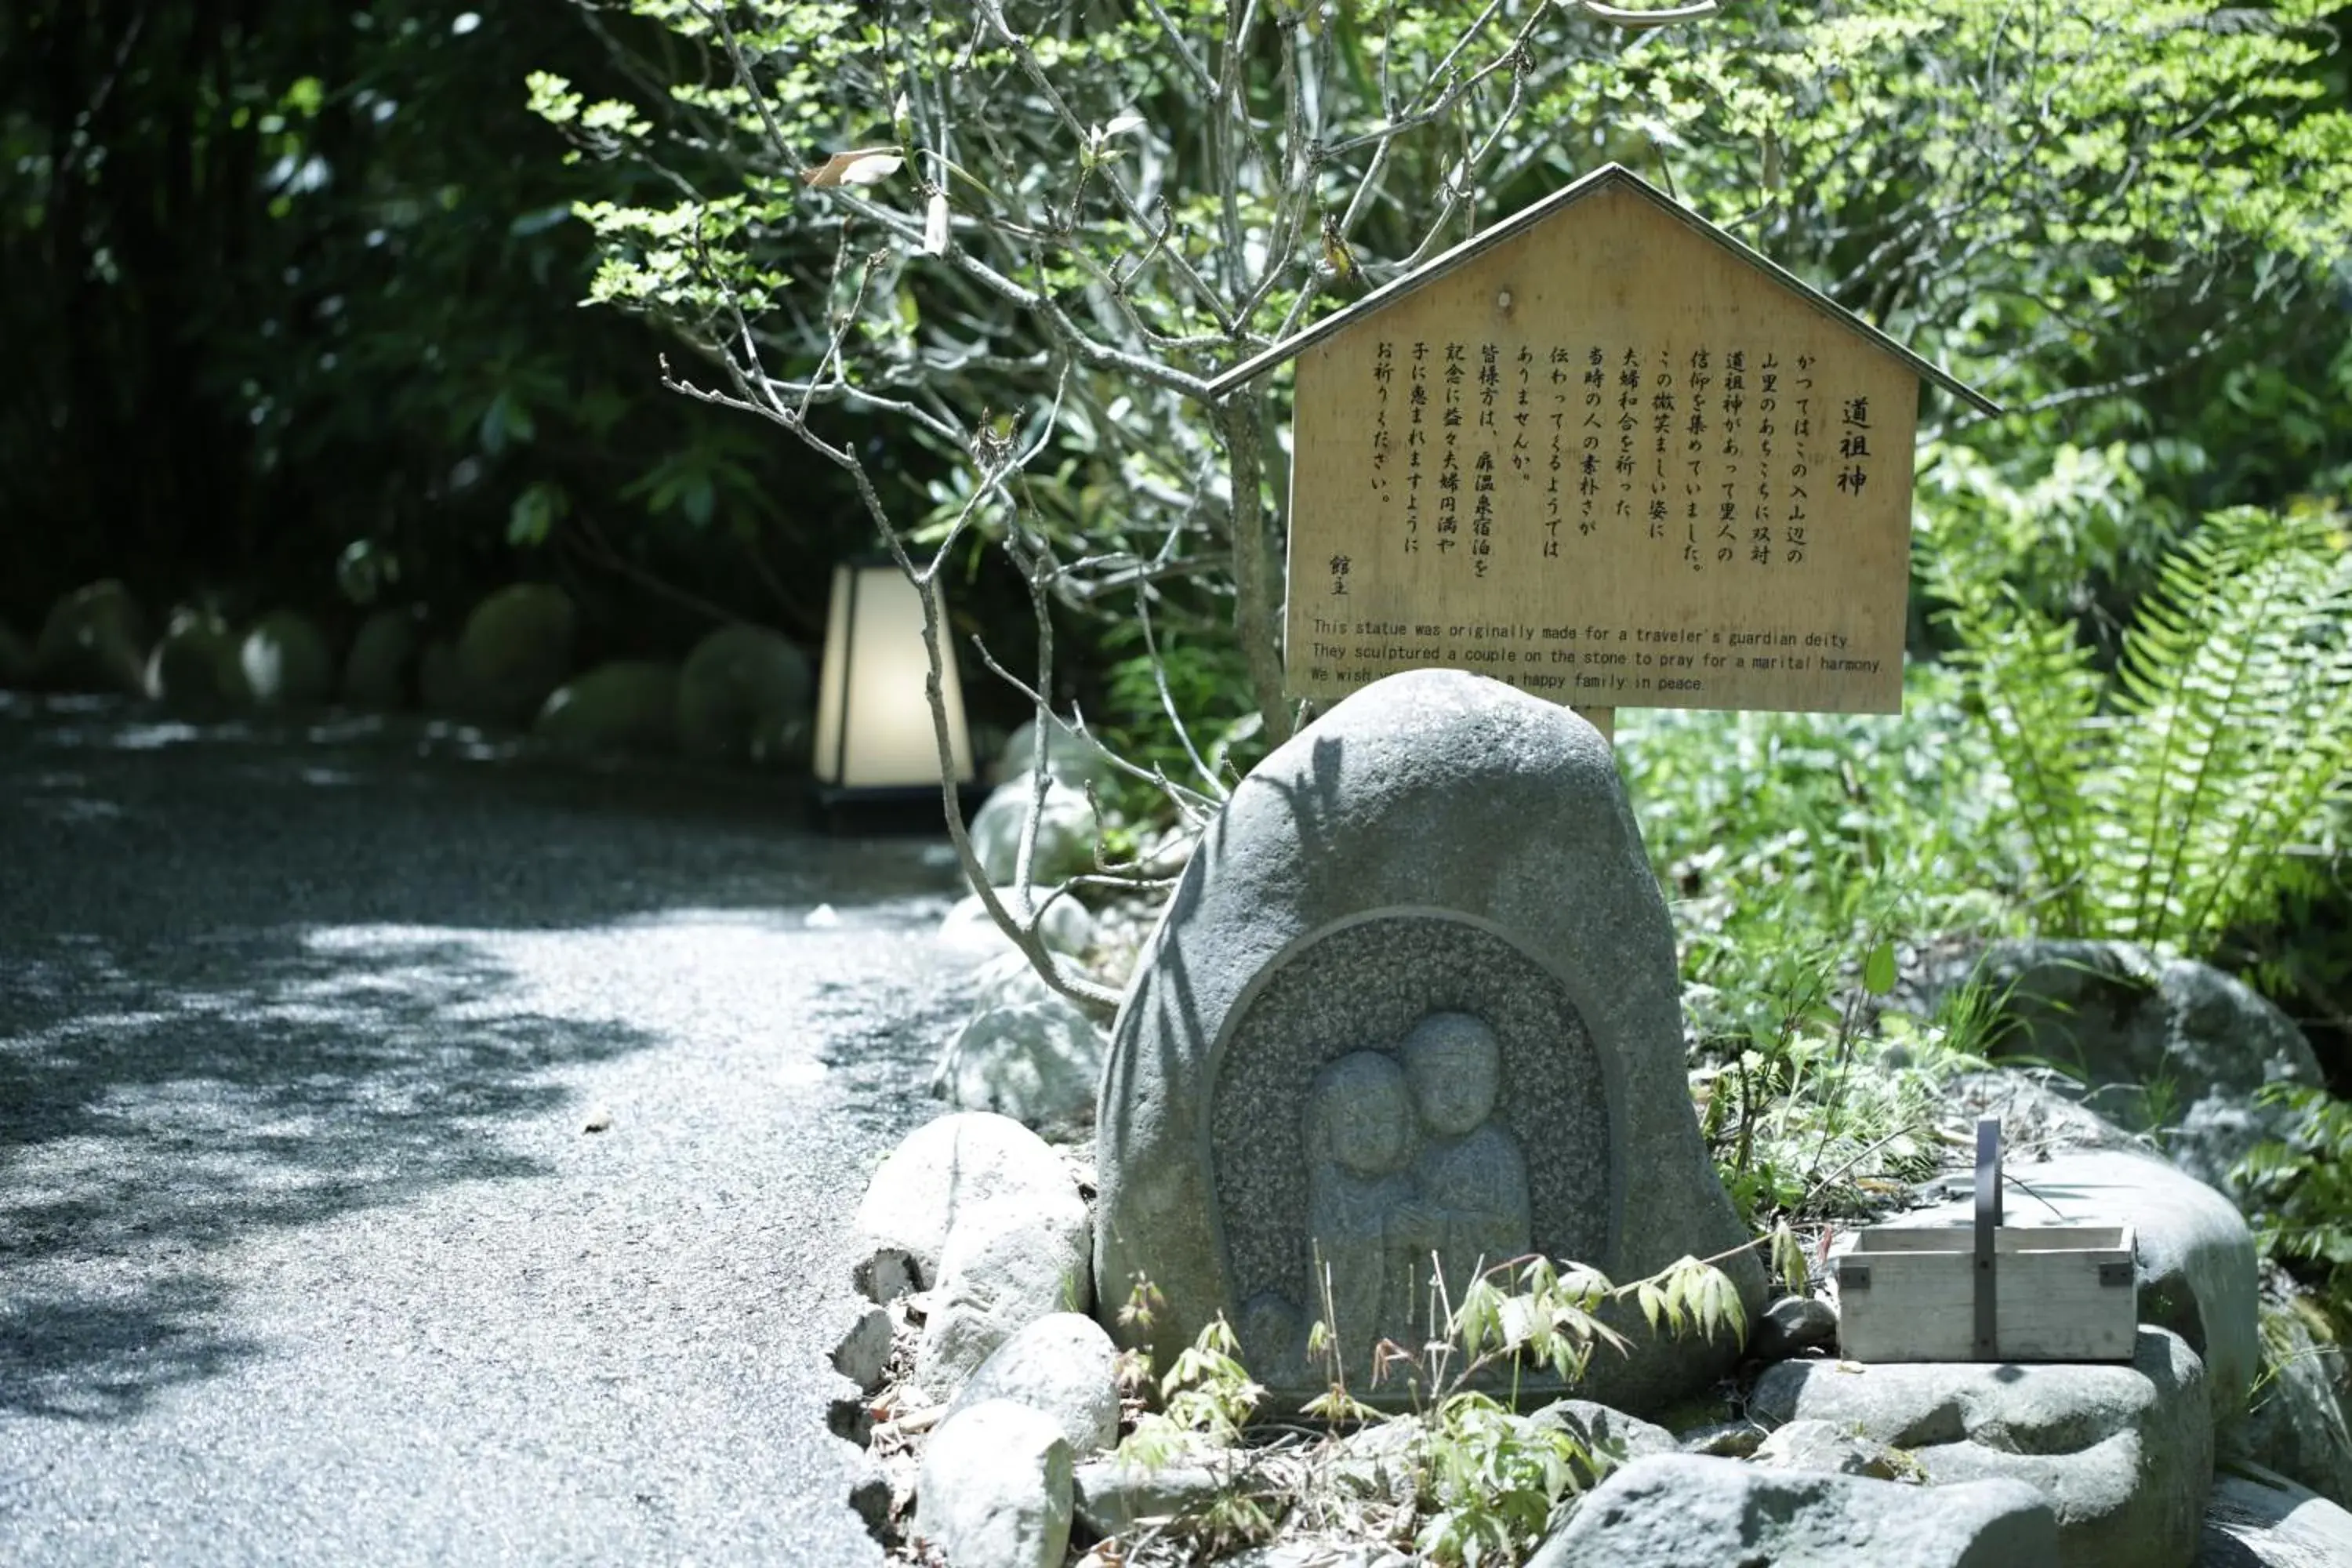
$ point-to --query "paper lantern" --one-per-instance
(873, 733)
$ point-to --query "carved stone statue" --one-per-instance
(1440, 881)
(1470, 1178)
(1360, 1148)
(1405, 1171)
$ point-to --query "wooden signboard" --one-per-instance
(1604, 453)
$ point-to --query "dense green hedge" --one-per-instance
(290, 294)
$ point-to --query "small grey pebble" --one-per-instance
(1723, 1439)
(1792, 1325)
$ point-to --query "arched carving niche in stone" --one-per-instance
(1399, 1084)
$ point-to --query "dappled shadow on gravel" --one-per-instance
(183, 1094)
(102, 1355)
(393, 820)
(159, 1102)
(875, 1056)
(250, 977)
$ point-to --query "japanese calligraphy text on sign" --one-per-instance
(1612, 463)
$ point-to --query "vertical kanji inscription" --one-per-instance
(1607, 483)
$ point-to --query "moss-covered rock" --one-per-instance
(516, 649)
(2299, 1423)
(628, 705)
(288, 661)
(1071, 758)
(1064, 846)
(745, 695)
(384, 656)
(95, 639)
(194, 668)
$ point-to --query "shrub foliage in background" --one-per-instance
(2197, 792)
(290, 289)
(293, 292)
(1039, 224)
(1071, 210)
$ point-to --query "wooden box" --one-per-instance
(1989, 1292)
(2064, 1293)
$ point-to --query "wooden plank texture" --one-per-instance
(2052, 1304)
(1956, 1239)
(1610, 463)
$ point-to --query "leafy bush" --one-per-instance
(1486, 1484)
(1790, 841)
(333, 243)
(2297, 1192)
(2197, 789)
(1813, 1108)
(1049, 221)
(1491, 1487)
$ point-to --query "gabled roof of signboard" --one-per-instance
(1601, 179)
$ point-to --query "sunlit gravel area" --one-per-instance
(306, 1254)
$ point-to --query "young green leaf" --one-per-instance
(1878, 969)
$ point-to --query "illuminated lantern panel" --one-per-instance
(873, 721)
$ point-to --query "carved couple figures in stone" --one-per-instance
(1405, 1166)
(1438, 857)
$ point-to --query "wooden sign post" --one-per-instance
(1609, 455)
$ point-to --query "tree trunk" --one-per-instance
(1257, 563)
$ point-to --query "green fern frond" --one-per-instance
(2236, 685)
(2309, 725)
(2212, 787)
(2039, 693)
(2196, 658)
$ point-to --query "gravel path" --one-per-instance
(304, 1254)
